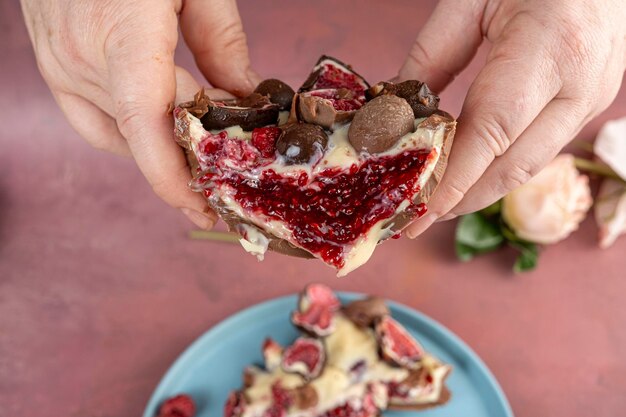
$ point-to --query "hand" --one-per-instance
(552, 67)
(110, 66)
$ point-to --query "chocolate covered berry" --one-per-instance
(299, 142)
(277, 91)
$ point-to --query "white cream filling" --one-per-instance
(283, 116)
(253, 241)
(350, 344)
(235, 132)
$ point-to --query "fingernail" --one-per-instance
(420, 225)
(204, 221)
(447, 217)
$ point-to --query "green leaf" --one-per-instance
(475, 234)
(492, 210)
(463, 252)
(528, 257)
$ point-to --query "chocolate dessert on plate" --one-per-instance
(352, 360)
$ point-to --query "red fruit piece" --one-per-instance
(397, 345)
(272, 353)
(370, 405)
(305, 356)
(264, 139)
(280, 396)
(332, 73)
(235, 404)
(281, 401)
(179, 406)
(317, 308)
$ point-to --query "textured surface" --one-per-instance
(100, 289)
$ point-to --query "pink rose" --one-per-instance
(610, 207)
(550, 206)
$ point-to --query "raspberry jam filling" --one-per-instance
(357, 407)
(327, 212)
(352, 410)
(333, 77)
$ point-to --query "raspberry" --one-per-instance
(179, 406)
(264, 139)
(280, 396)
(235, 404)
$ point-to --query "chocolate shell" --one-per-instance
(312, 81)
(319, 110)
(444, 397)
(249, 112)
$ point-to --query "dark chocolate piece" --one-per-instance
(298, 142)
(199, 106)
(423, 101)
(249, 112)
(277, 91)
(366, 311)
(379, 124)
(254, 100)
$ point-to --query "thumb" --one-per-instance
(446, 44)
(214, 33)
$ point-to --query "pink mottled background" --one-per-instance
(100, 289)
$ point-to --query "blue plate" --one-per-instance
(212, 366)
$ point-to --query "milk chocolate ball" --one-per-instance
(298, 142)
(379, 124)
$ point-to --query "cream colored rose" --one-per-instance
(551, 205)
(610, 207)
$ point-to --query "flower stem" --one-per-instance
(583, 145)
(214, 236)
(596, 168)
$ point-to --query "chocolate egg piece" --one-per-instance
(277, 91)
(299, 142)
(423, 101)
(248, 112)
(379, 124)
